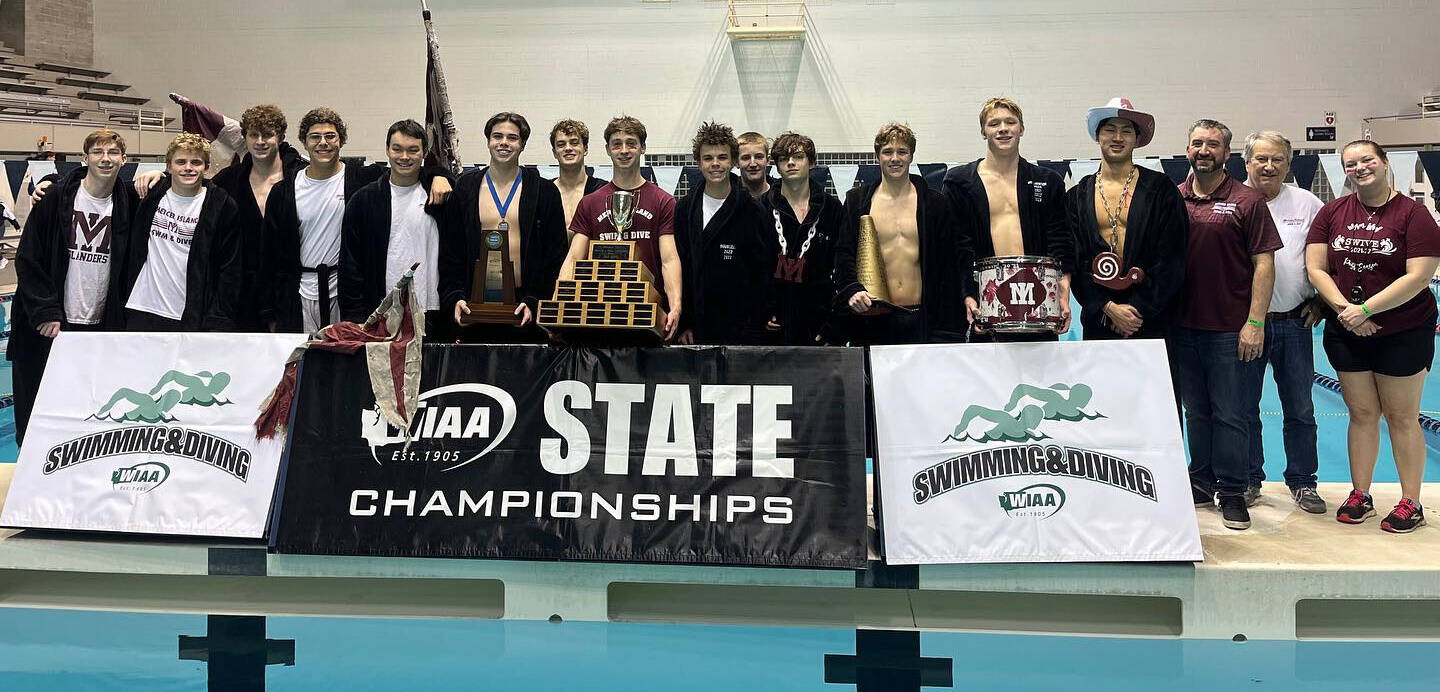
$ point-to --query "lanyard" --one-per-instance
(503, 208)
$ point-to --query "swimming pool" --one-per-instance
(60, 651)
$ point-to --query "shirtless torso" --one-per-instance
(1000, 189)
(899, 236)
(1110, 194)
(490, 216)
(570, 195)
(260, 184)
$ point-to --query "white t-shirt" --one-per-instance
(414, 237)
(320, 205)
(708, 206)
(1293, 210)
(87, 275)
(160, 288)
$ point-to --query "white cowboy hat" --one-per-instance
(1120, 107)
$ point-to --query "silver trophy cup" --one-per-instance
(622, 209)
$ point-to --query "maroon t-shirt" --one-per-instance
(1227, 229)
(1370, 252)
(654, 216)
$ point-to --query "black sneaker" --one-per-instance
(1307, 499)
(1233, 513)
(1356, 508)
(1203, 498)
(1406, 517)
(1252, 495)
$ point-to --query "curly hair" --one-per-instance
(188, 141)
(627, 125)
(264, 118)
(789, 143)
(324, 115)
(713, 134)
(895, 132)
(570, 127)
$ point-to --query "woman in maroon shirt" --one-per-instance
(1370, 256)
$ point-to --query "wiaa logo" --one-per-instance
(450, 423)
(140, 478)
(1039, 501)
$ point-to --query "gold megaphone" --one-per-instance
(869, 265)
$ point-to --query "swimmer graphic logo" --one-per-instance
(129, 406)
(1020, 418)
(1030, 452)
(1038, 501)
(152, 434)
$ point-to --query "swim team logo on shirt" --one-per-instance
(1363, 246)
(1038, 188)
(90, 238)
(1225, 208)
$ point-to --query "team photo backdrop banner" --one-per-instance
(1050, 452)
(151, 433)
(740, 456)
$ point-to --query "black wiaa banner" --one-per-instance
(741, 456)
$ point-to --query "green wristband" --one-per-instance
(1254, 322)
(1366, 309)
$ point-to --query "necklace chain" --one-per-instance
(1119, 208)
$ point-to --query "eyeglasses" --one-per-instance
(317, 137)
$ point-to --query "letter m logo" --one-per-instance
(90, 233)
(1022, 293)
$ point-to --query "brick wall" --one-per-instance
(59, 30)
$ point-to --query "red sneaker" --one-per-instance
(1406, 517)
(1356, 508)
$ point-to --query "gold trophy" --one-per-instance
(870, 270)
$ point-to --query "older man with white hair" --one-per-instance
(1289, 344)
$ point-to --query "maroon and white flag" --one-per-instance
(439, 120)
(392, 337)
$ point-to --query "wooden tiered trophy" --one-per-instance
(613, 294)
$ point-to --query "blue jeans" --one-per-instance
(1222, 403)
(1290, 349)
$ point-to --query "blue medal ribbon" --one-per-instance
(503, 207)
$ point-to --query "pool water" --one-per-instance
(60, 651)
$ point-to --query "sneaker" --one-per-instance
(1233, 513)
(1356, 508)
(1252, 495)
(1406, 517)
(1309, 500)
(1203, 498)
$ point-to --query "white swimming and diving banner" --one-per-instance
(151, 433)
(1044, 452)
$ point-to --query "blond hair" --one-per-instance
(187, 141)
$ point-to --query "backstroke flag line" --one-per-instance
(439, 120)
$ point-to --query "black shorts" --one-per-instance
(1397, 355)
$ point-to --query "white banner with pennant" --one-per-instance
(151, 433)
(1049, 452)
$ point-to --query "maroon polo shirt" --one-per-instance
(1368, 251)
(1227, 229)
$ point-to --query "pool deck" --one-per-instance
(1291, 576)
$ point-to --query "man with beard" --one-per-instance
(807, 222)
(66, 264)
(724, 256)
(1218, 342)
(755, 164)
(303, 215)
(1019, 209)
(920, 246)
(528, 209)
(570, 143)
